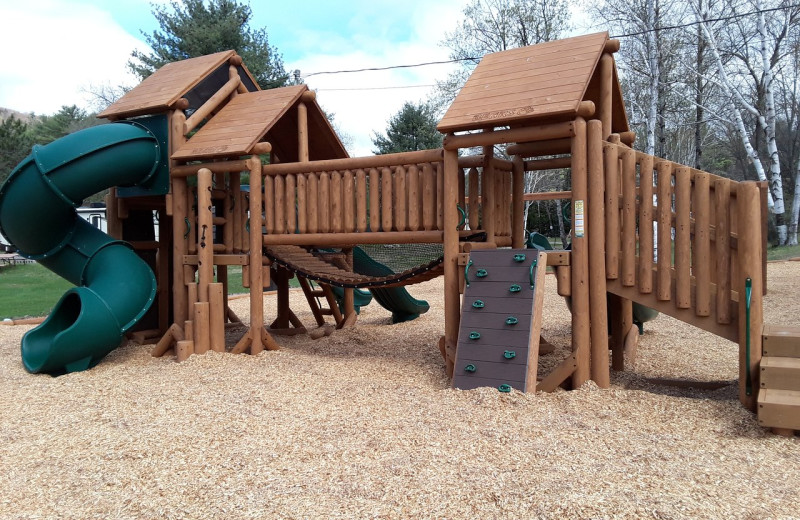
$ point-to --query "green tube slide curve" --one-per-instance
(37, 214)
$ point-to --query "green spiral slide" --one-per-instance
(37, 214)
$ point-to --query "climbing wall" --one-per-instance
(501, 318)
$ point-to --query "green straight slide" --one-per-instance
(404, 307)
(37, 215)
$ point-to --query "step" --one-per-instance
(781, 341)
(779, 409)
(780, 373)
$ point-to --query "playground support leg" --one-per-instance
(452, 311)
(595, 230)
(581, 339)
(750, 258)
(621, 318)
(517, 204)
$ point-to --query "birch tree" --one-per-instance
(756, 59)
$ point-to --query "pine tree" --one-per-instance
(191, 28)
(412, 128)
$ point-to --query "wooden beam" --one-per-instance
(514, 135)
(375, 161)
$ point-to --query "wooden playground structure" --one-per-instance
(553, 105)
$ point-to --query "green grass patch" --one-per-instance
(783, 252)
(29, 290)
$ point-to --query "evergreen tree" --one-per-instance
(191, 28)
(67, 120)
(15, 145)
(412, 128)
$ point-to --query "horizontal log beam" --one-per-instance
(513, 135)
(539, 148)
(188, 170)
(374, 161)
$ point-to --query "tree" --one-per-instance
(67, 120)
(499, 25)
(190, 28)
(412, 128)
(15, 145)
(746, 64)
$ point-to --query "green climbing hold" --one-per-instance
(519, 257)
(478, 304)
(482, 273)
(509, 354)
(470, 368)
(504, 388)
(474, 335)
(514, 288)
(511, 320)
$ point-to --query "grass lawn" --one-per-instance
(29, 290)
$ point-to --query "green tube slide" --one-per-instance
(37, 214)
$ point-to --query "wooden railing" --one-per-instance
(396, 193)
(673, 238)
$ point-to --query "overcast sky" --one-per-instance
(54, 50)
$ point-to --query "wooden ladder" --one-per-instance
(325, 294)
(779, 392)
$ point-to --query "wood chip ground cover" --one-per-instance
(362, 424)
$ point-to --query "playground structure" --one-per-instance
(184, 137)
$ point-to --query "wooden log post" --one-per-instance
(414, 210)
(581, 338)
(722, 197)
(628, 245)
(750, 258)
(202, 336)
(313, 203)
(324, 199)
(610, 165)
(362, 217)
(452, 310)
(517, 203)
(205, 234)
(683, 238)
(386, 199)
(348, 202)
(595, 230)
(256, 258)
(180, 222)
(488, 220)
(473, 180)
(217, 315)
(337, 204)
(302, 131)
(646, 225)
(302, 203)
(702, 244)
(664, 265)
(400, 198)
(428, 197)
(374, 200)
(604, 110)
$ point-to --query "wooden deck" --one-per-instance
(545, 80)
(165, 86)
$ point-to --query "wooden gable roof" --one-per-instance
(266, 115)
(159, 91)
(529, 84)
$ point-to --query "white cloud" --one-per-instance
(71, 46)
(67, 48)
(361, 103)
